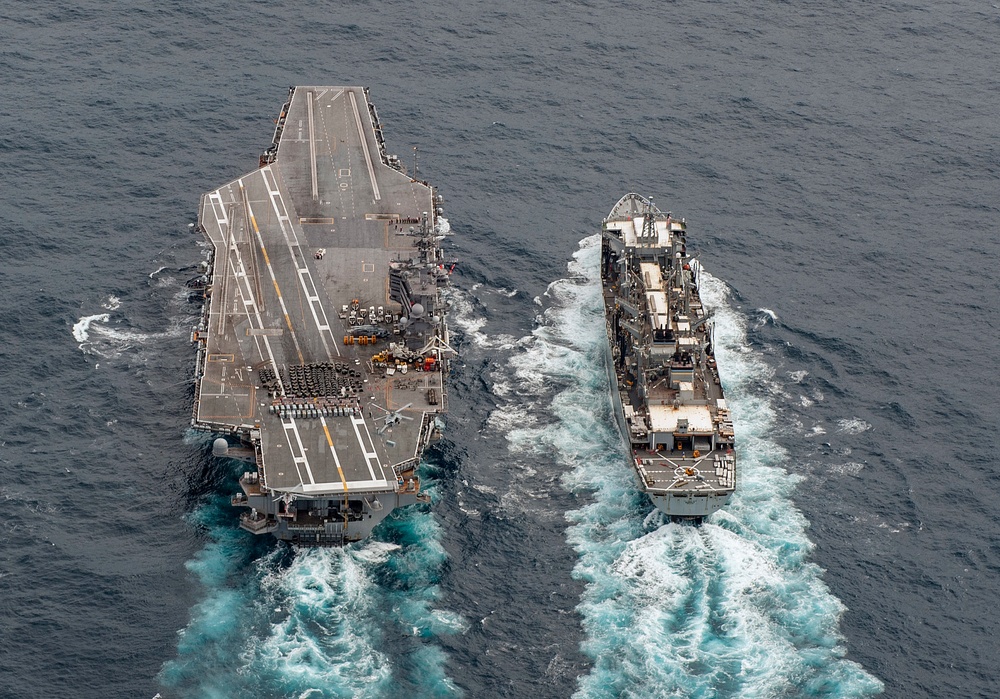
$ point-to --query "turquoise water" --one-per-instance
(314, 622)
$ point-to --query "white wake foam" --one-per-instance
(81, 329)
(467, 315)
(854, 425)
(733, 608)
(315, 624)
(327, 635)
(98, 335)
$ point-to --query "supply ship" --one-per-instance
(323, 347)
(666, 391)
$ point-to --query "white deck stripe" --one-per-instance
(301, 458)
(305, 276)
(270, 269)
(355, 421)
(248, 299)
(248, 303)
(312, 147)
(212, 198)
(372, 442)
(364, 147)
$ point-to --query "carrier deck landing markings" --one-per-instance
(364, 147)
(270, 270)
(333, 450)
(301, 267)
(301, 396)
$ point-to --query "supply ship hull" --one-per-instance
(665, 388)
(323, 347)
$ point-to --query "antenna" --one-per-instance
(649, 221)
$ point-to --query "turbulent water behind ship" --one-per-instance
(838, 173)
(731, 608)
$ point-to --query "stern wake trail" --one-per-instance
(315, 622)
(732, 608)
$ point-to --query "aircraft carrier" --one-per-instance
(666, 391)
(323, 348)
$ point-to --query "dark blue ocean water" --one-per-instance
(839, 171)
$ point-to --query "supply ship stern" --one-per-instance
(666, 393)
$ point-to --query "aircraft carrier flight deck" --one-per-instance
(323, 349)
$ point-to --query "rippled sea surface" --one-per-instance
(839, 172)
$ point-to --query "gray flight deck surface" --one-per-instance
(314, 231)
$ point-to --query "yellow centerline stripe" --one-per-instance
(329, 440)
(288, 321)
(274, 279)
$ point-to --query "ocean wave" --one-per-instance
(731, 608)
(854, 425)
(81, 329)
(467, 316)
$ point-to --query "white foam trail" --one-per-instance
(125, 339)
(314, 624)
(81, 330)
(94, 335)
(467, 318)
(328, 637)
(854, 425)
(733, 608)
(463, 315)
(851, 468)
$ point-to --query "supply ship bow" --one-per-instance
(666, 391)
(323, 346)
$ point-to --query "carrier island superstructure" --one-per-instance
(323, 348)
(666, 393)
